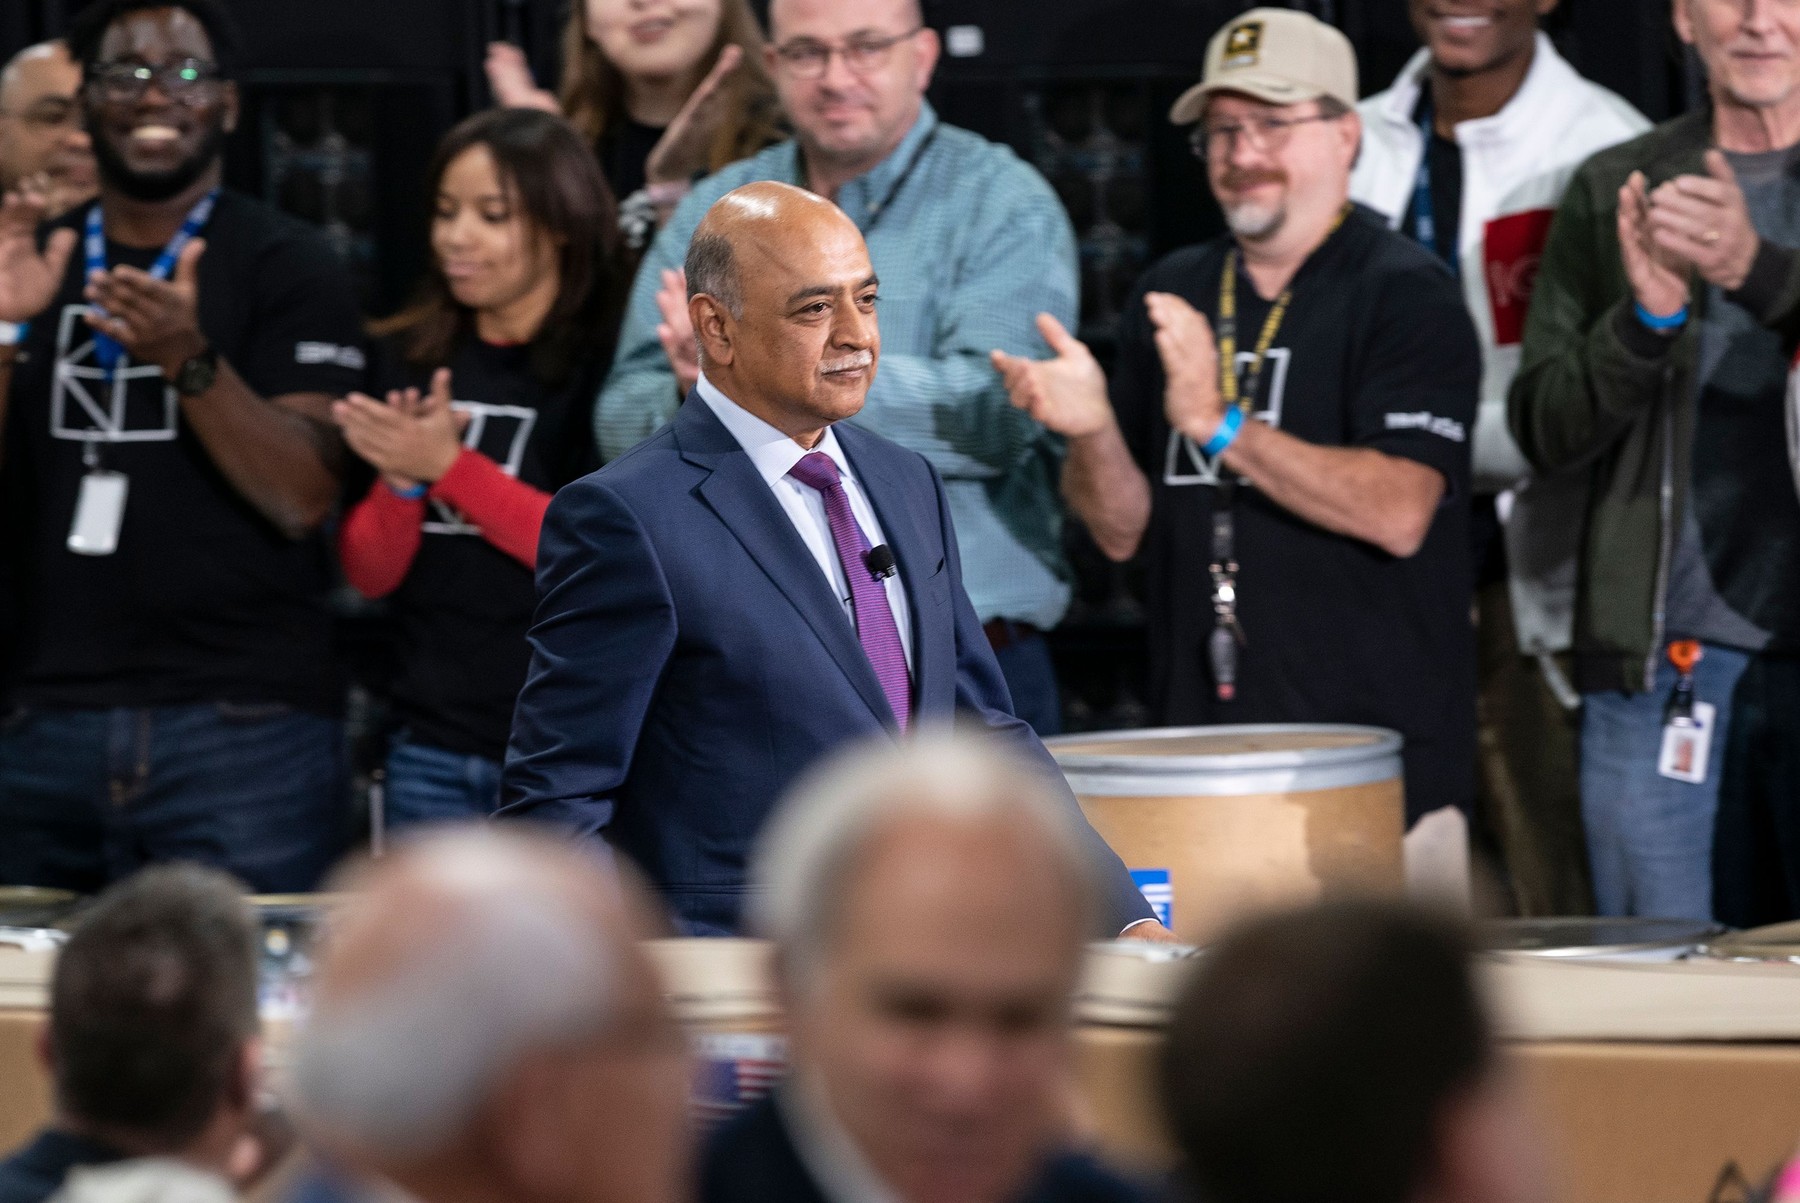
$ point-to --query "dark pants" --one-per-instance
(1756, 844)
(426, 784)
(88, 796)
(1528, 792)
(1031, 679)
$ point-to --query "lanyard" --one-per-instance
(879, 208)
(1425, 227)
(107, 352)
(1228, 634)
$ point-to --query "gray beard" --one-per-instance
(1255, 222)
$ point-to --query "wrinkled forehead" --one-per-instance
(156, 35)
(781, 257)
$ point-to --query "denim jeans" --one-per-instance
(1650, 838)
(259, 790)
(427, 784)
(1031, 679)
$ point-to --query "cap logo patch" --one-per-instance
(1243, 45)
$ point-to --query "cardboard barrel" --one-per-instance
(1218, 822)
(723, 993)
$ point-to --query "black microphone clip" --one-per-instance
(880, 562)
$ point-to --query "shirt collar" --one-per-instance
(837, 1166)
(773, 452)
(873, 187)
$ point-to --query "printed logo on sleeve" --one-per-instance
(499, 432)
(1444, 428)
(136, 406)
(315, 353)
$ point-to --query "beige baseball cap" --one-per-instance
(1277, 55)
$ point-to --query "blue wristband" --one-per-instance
(1225, 435)
(412, 494)
(1674, 321)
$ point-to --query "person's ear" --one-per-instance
(927, 49)
(1350, 133)
(1545, 8)
(231, 107)
(714, 327)
(1684, 21)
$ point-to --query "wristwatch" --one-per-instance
(196, 375)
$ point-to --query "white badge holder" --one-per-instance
(99, 507)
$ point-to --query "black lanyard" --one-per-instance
(1228, 633)
(880, 207)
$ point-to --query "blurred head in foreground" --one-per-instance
(1343, 1053)
(484, 1026)
(928, 901)
(152, 1042)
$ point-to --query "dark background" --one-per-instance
(345, 99)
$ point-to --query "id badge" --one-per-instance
(1686, 744)
(99, 512)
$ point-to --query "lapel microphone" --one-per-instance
(879, 561)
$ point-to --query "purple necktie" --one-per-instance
(868, 596)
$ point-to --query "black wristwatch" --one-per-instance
(197, 374)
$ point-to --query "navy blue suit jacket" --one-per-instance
(689, 659)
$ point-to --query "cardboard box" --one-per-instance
(24, 1087)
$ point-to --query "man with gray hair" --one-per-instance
(485, 1027)
(928, 902)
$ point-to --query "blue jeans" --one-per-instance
(259, 790)
(427, 784)
(1031, 679)
(1650, 838)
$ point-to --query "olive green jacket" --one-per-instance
(1598, 389)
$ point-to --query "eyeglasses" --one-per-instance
(806, 59)
(52, 112)
(1268, 134)
(187, 82)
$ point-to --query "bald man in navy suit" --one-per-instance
(755, 585)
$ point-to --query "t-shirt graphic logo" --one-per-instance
(136, 406)
(499, 432)
(1511, 248)
(1186, 464)
(1243, 45)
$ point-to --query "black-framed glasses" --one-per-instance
(1215, 139)
(189, 80)
(805, 58)
(50, 112)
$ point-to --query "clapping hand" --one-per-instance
(157, 321)
(509, 79)
(1702, 220)
(410, 439)
(1190, 359)
(676, 331)
(1066, 393)
(686, 144)
(29, 277)
(1657, 277)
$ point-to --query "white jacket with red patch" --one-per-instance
(1515, 167)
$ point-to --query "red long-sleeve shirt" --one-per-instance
(382, 532)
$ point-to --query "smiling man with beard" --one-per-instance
(755, 585)
(1290, 444)
(166, 669)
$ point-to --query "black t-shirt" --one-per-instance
(204, 600)
(1443, 158)
(622, 152)
(464, 607)
(1376, 351)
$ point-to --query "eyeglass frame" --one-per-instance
(68, 119)
(106, 79)
(1283, 127)
(878, 48)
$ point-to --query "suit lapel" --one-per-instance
(736, 492)
(918, 556)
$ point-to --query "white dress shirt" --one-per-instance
(774, 454)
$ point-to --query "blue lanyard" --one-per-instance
(1424, 216)
(107, 352)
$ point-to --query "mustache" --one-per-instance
(850, 363)
(1235, 180)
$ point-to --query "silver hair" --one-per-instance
(712, 269)
(798, 868)
(402, 1067)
